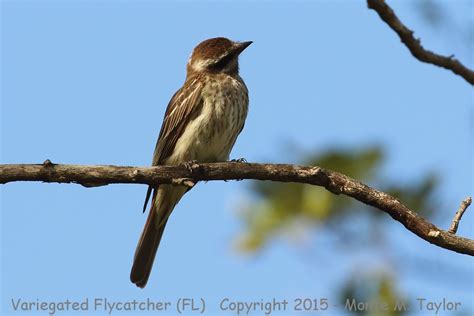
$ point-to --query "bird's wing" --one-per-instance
(184, 106)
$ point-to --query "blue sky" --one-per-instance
(87, 82)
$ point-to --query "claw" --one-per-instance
(239, 160)
(189, 165)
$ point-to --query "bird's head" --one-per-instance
(217, 55)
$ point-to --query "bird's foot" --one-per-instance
(190, 164)
(239, 160)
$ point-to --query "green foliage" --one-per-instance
(374, 294)
(280, 205)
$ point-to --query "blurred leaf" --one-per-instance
(374, 295)
(417, 196)
(431, 11)
(457, 29)
(280, 205)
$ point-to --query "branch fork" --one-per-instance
(457, 217)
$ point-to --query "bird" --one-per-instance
(201, 124)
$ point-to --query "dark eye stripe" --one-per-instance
(222, 63)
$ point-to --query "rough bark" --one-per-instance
(413, 44)
(333, 181)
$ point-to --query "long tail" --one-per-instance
(148, 243)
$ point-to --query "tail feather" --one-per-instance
(162, 204)
(147, 246)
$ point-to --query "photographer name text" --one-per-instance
(232, 306)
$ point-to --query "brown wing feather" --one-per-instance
(182, 108)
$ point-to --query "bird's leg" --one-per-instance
(189, 165)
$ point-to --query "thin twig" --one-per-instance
(417, 50)
(333, 181)
(457, 217)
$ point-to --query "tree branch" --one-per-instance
(457, 217)
(334, 182)
(406, 36)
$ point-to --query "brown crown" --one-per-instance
(212, 48)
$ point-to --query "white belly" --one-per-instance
(212, 134)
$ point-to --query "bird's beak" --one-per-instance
(239, 47)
